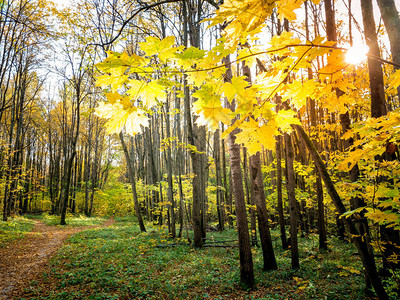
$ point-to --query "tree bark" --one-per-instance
(279, 191)
(291, 186)
(361, 244)
(262, 213)
(378, 106)
(391, 19)
(131, 172)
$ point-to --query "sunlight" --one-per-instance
(357, 54)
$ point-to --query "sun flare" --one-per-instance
(357, 54)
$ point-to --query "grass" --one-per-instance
(73, 220)
(119, 262)
(14, 229)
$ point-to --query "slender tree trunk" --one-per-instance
(66, 182)
(131, 171)
(196, 135)
(378, 106)
(391, 19)
(262, 214)
(171, 199)
(220, 192)
(250, 199)
(361, 244)
(291, 185)
(246, 260)
(279, 191)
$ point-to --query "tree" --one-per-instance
(131, 171)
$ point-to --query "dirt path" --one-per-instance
(22, 261)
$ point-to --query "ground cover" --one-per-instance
(23, 260)
(14, 229)
(73, 220)
(119, 262)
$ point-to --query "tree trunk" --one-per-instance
(131, 171)
(171, 199)
(220, 192)
(279, 191)
(250, 199)
(66, 182)
(262, 214)
(391, 19)
(246, 260)
(378, 106)
(291, 186)
(361, 244)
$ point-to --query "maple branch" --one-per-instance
(213, 3)
(272, 51)
(126, 22)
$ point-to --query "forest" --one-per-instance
(190, 149)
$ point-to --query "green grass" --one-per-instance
(73, 220)
(119, 262)
(14, 229)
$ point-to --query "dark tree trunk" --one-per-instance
(361, 244)
(291, 186)
(378, 106)
(220, 192)
(171, 199)
(246, 260)
(391, 19)
(279, 191)
(250, 199)
(131, 171)
(262, 214)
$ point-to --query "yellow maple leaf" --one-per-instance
(237, 87)
(114, 80)
(163, 48)
(113, 97)
(118, 117)
(286, 118)
(148, 92)
(336, 63)
(286, 8)
(208, 107)
(299, 91)
(242, 17)
(394, 80)
(253, 136)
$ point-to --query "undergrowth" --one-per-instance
(14, 229)
(73, 220)
(120, 262)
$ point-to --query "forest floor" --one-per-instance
(120, 262)
(21, 261)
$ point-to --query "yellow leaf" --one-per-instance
(336, 63)
(286, 8)
(253, 136)
(163, 48)
(235, 88)
(118, 117)
(394, 79)
(286, 118)
(299, 91)
(149, 92)
(208, 107)
(242, 17)
(114, 80)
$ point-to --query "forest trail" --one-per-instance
(23, 260)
